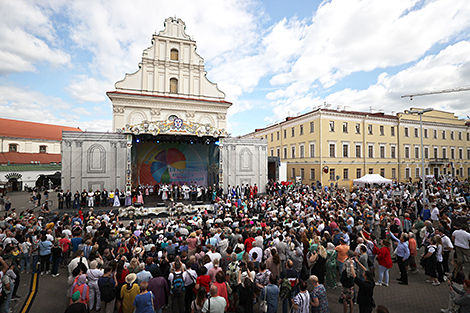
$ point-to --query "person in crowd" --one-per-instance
(318, 298)
(128, 293)
(271, 294)
(331, 265)
(160, 289)
(107, 284)
(365, 295)
(215, 303)
(81, 286)
(301, 302)
(76, 306)
(143, 302)
(403, 254)
(198, 303)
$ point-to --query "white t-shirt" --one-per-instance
(302, 299)
(462, 239)
(435, 214)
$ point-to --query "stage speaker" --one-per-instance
(160, 204)
(138, 204)
(199, 202)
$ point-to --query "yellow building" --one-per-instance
(338, 145)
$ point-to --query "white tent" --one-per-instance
(371, 179)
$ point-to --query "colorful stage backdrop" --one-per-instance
(172, 163)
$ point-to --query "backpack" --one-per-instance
(233, 272)
(80, 266)
(286, 289)
(177, 286)
(108, 292)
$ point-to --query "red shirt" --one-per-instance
(122, 279)
(64, 243)
(383, 256)
(204, 281)
(249, 244)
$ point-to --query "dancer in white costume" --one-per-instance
(91, 199)
(164, 190)
(186, 191)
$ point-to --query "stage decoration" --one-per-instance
(178, 209)
(173, 127)
(163, 161)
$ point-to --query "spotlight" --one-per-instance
(137, 140)
(208, 141)
(191, 142)
(158, 141)
(217, 143)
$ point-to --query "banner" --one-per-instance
(172, 163)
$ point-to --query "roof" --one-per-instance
(32, 130)
(27, 158)
(166, 97)
(30, 167)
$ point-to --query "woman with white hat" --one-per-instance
(128, 293)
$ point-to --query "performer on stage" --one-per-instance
(140, 197)
(251, 192)
(164, 190)
(242, 192)
(116, 198)
(76, 200)
(128, 200)
(186, 191)
(91, 198)
(104, 198)
(97, 197)
(255, 190)
(83, 199)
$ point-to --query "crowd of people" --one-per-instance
(264, 253)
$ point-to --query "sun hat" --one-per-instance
(131, 278)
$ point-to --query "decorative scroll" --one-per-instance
(176, 126)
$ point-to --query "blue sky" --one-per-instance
(272, 58)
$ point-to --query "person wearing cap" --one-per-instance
(128, 293)
(76, 306)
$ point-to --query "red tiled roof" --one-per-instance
(26, 158)
(31, 130)
(167, 97)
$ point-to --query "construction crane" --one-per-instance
(437, 92)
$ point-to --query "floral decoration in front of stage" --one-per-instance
(179, 208)
(176, 126)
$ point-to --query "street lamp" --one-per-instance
(421, 112)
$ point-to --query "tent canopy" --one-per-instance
(372, 179)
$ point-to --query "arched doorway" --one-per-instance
(14, 184)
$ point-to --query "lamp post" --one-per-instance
(421, 112)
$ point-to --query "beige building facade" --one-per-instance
(339, 145)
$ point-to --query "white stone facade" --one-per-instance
(244, 161)
(93, 161)
(171, 82)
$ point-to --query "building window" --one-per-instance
(278, 152)
(444, 153)
(382, 172)
(277, 135)
(452, 153)
(345, 127)
(436, 154)
(381, 128)
(434, 134)
(312, 127)
(272, 136)
(345, 150)
(312, 150)
(293, 131)
(416, 153)
(451, 135)
(468, 136)
(369, 129)
(285, 153)
(407, 173)
(13, 147)
(468, 155)
(426, 170)
(444, 134)
(425, 133)
(426, 153)
(332, 150)
(394, 173)
(392, 131)
(312, 174)
(174, 55)
(393, 153)
(382, 152)
(416, 133)
(406, 132)
(345, 173)
(42, 149)
(293, 173)
(292, 152)
(173, 85)
(407, 152)
(301, 130)
(460, 135)
(332, 174)
(358, 151)
(358, 128)
(332, 126)
(417, 172)
(444, 169)
(358, 173)
(370, 150)
(272, 152)
(371, 171)
(302, 173)
(302, 152)
(461, 154)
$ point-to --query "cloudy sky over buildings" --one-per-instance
(272, 58)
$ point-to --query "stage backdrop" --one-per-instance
(174, 163)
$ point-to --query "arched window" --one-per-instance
(174, 55)
(172, 117)
(173, 85)
(13, 147)
(42, 149)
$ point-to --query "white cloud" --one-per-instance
(27, 37)
(88, 89)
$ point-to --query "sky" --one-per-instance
(272, 58)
